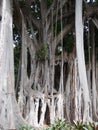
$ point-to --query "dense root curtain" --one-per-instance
(44, 94)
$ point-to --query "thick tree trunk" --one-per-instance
(6, 66)
(8, 105)
(87, 113)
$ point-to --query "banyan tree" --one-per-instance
(55, 62)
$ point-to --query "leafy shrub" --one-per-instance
(26, 127)
(60, 125)
(64, 125)
(79, 125)
(41, 53)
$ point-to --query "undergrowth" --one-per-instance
(64, 125)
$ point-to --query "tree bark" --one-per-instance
(6, 67)
(87, 113)
(94, 90)
(8, 105)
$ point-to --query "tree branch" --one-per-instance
(64, 15)
(43, 6)
(53, 7)
(27, 13)
(66, 29)
(32, 31)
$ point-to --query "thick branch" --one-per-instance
(43, 6)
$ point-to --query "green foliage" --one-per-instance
(79, 125)
(26, 127)
(64, 125)
(41, 53)
(60, 125)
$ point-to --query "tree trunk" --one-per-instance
(6, 67)
(87, 113)
(8, 106)
(94, 90)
